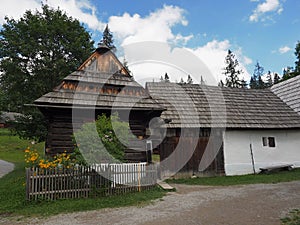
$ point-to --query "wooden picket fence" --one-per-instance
(86, 181)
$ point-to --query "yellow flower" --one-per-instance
(27, 150)
(33, 157)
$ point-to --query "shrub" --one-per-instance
(104, 140)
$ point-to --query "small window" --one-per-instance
(265, 141)
(271, 142)
(268, 142)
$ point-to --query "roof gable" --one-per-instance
(100, 82)
(104, 60)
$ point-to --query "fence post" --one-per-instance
(27, 183)
(139, 177)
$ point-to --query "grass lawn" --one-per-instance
(12, 187)
(283, 176)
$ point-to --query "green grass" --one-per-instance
(12, 148)
(12, 188)
(293, 218)
(283, 176)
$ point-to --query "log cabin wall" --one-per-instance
(170, 143)
(62, 125)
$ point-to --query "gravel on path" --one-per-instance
(257, 204)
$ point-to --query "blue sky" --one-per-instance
(255, 30)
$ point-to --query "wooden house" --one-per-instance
(100, 85)
(230, 131)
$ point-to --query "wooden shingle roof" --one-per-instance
(289, 92)
(193, 105)
(101, 82)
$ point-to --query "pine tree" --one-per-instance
(288, 73)
(276, 78)
(256, 81)
(297, 53)
(244, 83)
(167, 79)
(202, 82)
(125, 65)
(189, 80)
(260, 83)
(231, 71)
(107, 39)
(181, 81)
(221, 83)
(269, 82)
(253, 82)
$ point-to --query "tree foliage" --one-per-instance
(297, 53)
(39, 50)
(36, 53)
(276, 78)
(107, 39)
(189, 80)
(113, 134)
(256, 81)
(269, 81)
(232, 71)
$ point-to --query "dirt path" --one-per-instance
(237, 205)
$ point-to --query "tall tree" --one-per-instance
(288, 73)
(276, 78)
(36, 52)
(125, 64)
(107, 38)
(202, 81)
(232, 71)
(167, 78)
(221, 83)
(260, 83)
(244, 83)
(181, 81)
(269, 82)
(256, 81)
(253, 82)
(297, 53)
(189, 80)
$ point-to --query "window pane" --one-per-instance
(271, 142)
(265, 141)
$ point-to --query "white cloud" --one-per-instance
(269, 6)
(82, 10)
(284, 49)
(213, 55)
(8, 8)
(157, 26)
(150, 60)
(149, 56)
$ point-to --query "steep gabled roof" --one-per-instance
(289, 92)
(189, 105)
(100, 82)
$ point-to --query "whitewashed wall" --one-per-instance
(237, 154)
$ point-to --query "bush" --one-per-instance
(98, 142)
